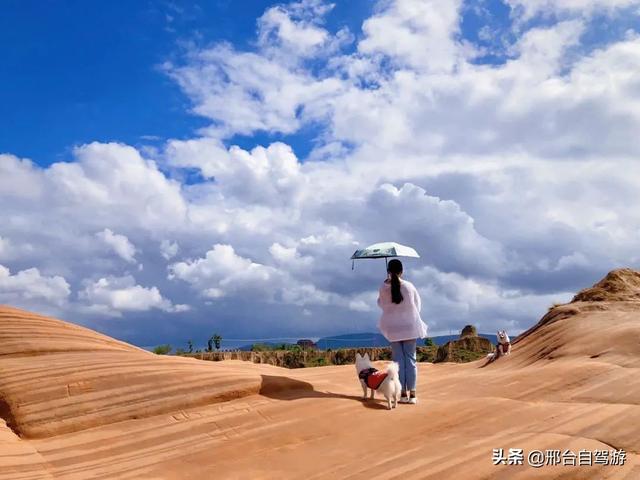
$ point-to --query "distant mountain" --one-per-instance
(354, 340)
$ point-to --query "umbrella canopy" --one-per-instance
(385, 250)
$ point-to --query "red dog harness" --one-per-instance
(505, 349)
(372, 377)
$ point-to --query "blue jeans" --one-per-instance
(405, 354)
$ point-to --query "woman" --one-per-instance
(401, 324)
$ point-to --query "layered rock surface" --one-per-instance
(81, 405)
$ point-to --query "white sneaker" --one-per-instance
(404, 400)
(412, 400)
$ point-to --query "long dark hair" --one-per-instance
(394, 268)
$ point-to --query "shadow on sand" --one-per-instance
(285, 388)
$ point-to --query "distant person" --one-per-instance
(401, 324)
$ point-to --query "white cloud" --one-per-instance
(120, 244)
(222, 271)
(530, 8)
(169, 249)
(246, 92)
(415, 33)
(30, 286)
(114, 295)
(19, 178)
(294, 27)
(289, 256)
(263, 175)
(455, 300)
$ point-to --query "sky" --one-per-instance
(173, 169)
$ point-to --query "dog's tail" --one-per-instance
(392, 370)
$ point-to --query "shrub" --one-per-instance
(426, 354)
(293, 359)
(341, 357)
(217, 340)
(384, 354)
(162, 349)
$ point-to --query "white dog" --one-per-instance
(503, 347)
(387, 382)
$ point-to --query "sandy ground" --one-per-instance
(80, 405)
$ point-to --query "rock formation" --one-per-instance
(622, 285)
(469, 331)
(467, 348)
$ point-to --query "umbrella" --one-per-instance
(384, 250)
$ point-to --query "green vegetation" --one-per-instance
(317, 362)
(427, 354)
(294, 356)
(190, 346)
(266, 347)
(162, 349)
(463, 355)
(214, 341)
(428, 342)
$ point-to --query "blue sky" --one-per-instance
(169, 169)
(77, 72)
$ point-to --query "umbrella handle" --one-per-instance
(353, 264)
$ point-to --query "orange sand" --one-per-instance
(81, 405)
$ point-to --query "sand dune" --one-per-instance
(82, 405)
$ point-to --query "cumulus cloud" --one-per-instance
(29, 287)
(114, 295)
(222, 271)
(418, 34)
(262, 175)
(295, 27)
(120, 244)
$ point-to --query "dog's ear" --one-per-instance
(358, 356)
(366, 356)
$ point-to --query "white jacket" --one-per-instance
(401, 321)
